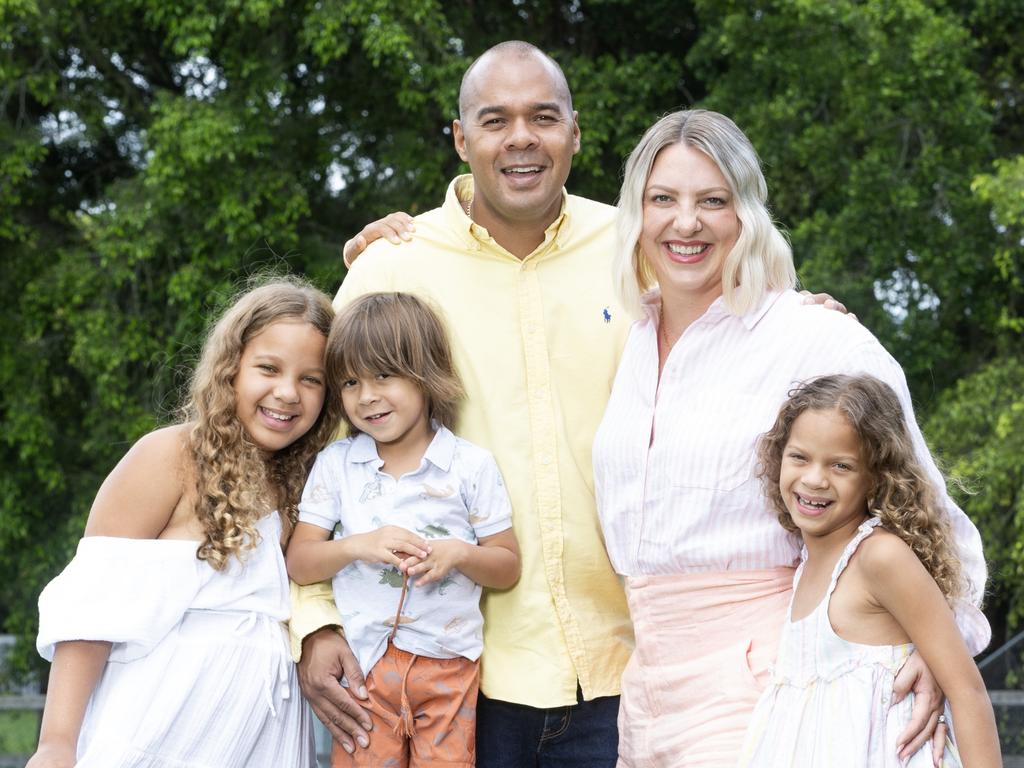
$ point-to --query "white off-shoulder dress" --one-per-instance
(199, 674)
(830, 700)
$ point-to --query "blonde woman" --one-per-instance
(722, 339)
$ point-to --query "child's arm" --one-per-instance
(137, 500)
(902, 586)
(494, 562)
(76, 667)
(312, 557)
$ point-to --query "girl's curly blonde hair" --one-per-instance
(901, 494)
(228, 475)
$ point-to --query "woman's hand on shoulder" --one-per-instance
(827, 302)
(140, 494)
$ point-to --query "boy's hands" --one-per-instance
(445, 555)
(390, 544)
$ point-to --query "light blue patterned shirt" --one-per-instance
(457, 492)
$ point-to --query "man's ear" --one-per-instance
(459, 138)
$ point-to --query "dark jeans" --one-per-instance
(516, 736)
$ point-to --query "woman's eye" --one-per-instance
(348, 383)
(267, 367)
(382, 376)
(313, 380)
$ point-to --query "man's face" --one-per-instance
(518, 135)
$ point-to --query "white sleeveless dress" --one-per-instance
(200, 674)
(829, 702)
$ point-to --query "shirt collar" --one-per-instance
(363, 449)
(651, 304)
(440, 452)
(754, 316)
(461, 188)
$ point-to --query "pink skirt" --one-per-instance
(704, 646)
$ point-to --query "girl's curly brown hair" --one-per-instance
(227, 473)
(901, 494)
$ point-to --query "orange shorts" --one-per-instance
(437, 725)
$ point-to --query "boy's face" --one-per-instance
(390, 409)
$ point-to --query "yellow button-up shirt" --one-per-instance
(536, 342)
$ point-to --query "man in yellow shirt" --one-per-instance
(522, 273)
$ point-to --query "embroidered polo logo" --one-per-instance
(606, 315)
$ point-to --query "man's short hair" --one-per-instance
(520, 50)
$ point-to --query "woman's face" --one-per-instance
(690, 224)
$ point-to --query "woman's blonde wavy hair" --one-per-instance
(227, 473)
(760, 261)
(901, 493)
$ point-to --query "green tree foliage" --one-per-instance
(154, 154)
(980, 425)
(872, 132)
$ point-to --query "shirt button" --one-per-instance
(545, 460)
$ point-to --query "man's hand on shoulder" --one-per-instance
(395, 228)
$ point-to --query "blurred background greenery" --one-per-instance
(155, 154)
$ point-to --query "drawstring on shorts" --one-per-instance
(406, 725)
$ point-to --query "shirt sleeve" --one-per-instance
(367, 275)
(490, 510)
(313, 608)
(873, 359)
(320, 504)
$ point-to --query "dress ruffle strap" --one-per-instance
(864, 530)
(130, 592)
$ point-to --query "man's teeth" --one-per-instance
(686, 250)
(525, 169)
(815, 504)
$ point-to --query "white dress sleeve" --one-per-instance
(130, 592)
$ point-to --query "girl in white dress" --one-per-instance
(165, 631)
(878, 572)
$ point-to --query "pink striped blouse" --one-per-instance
(689, 500)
